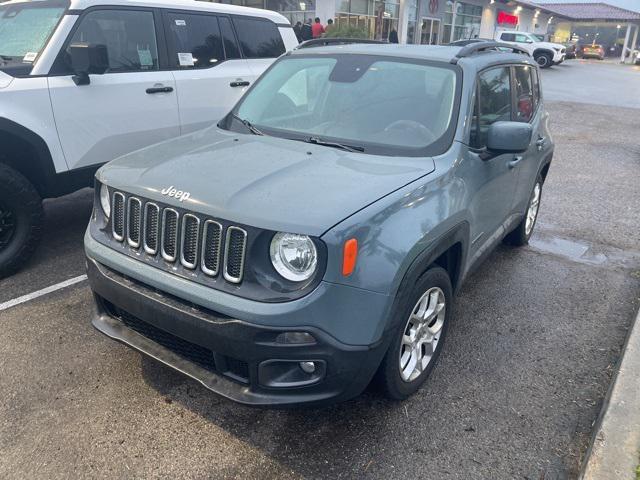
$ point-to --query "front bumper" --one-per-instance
(234, 358)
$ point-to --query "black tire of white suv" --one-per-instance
(20, 220)
(544, 59)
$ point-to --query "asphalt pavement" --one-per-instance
(522, 376)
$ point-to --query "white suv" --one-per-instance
(545, 53)
(85, 81)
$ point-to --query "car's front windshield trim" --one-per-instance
(440, 146)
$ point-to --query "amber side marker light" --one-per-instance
(349, 257)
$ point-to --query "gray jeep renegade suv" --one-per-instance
(313, 240)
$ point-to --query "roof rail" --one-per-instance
(323, 42)
(478, 47)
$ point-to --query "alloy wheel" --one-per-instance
(7, 226)
(532, 211)
(422, 333)
(542, 60)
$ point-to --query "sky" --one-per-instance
(628, 4)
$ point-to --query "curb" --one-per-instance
(614, 450)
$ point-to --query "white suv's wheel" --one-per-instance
(20, 220)
(545, 60)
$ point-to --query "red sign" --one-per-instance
(433, 6)
(507, 18)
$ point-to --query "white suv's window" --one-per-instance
(25, 27)
(129, 36)
(194, 40)
(259, 38)
(515, 37)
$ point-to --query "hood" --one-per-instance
(262, 181)
(550, 45)
(5, 80)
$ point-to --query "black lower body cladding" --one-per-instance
(236, 359)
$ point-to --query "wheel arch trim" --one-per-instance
(457, 235)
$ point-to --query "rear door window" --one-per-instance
(259, 38)
(536, 88)
(493, 103)
(525, 104)
(231, 47)
(194, 40)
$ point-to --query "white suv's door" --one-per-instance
(207, 66)
(129, 107)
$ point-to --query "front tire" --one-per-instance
(545, 60)
(418, 339)
(522, 233)
(20, 220)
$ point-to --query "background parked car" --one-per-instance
(83, 82)
(544, 53)
(593, 51)
(571, 50)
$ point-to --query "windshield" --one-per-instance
(25, 28)
(368, 103)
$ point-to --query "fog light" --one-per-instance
(308, 367)
(295, 338)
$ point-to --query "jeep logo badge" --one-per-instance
(177, 194)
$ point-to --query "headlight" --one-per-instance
(293, 256)
(105, 200)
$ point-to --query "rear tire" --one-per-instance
(545, 60)
(20, 220)
(425, 317)
(522, 233)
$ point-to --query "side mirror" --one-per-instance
(509, 137)
(87, 59)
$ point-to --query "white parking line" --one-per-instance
(31, 296)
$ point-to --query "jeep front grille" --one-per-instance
(187, 240)
(234, 254)
(211, 240)
(134, 217)
(151, 224)
(118, 216)
(169, 234)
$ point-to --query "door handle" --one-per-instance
(240, 83)
(153, 90)
(514, 162)
(540, 143)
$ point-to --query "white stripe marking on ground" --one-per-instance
(32, 296)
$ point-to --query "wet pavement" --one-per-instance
(520, 382)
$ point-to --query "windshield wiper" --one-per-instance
(341, 146)
(247, 124)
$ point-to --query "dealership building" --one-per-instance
(416, 21)
(435, 22)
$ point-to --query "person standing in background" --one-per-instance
(393, 36)
(297, 29)
(329, 26)
(306, 31)
(317, 29)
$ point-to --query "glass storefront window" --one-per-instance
(463, 23)
(377, 18)
(294, 10)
